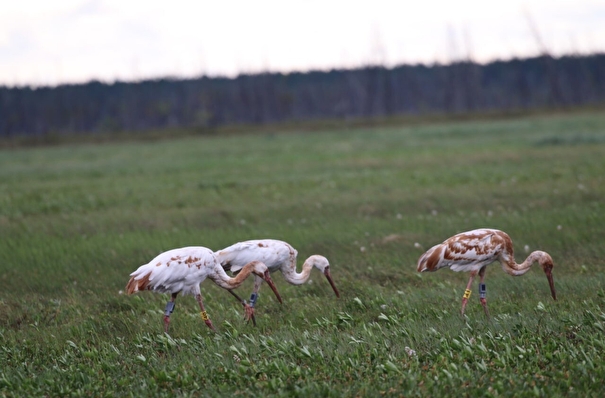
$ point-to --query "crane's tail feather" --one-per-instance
(135, 284)
(431, 259)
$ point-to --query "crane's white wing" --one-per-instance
(272, 252)
(177, 270)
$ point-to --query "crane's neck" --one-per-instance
(296, 278)
(221, 278)
(512, 268)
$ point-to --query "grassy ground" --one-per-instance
(75, 220)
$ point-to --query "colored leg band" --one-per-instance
(169, 308)
(482, 290)
(204, 315)
(253, 298)
(467, 294)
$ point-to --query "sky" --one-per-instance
(73, 41)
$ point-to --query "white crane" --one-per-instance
(277, 256)
(183, 269)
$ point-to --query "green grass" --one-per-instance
(75, 220)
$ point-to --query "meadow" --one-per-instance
(77, 219)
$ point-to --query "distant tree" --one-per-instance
(372, 91)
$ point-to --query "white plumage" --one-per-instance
(182, 270)
(277, 256)
(174, 271)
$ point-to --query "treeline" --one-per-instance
(519, 84)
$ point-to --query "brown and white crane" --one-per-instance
(473, 251)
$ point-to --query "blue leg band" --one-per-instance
(482, 290)
(169, 308)
(253, 298)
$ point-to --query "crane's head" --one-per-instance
(322, 264)
(546, 262)
(260, 269)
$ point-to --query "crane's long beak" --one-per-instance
(551, 282)
(329, 278)
(269, 281)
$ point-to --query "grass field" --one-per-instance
(75, 220)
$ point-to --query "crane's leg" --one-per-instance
(483, 291)
(168, 310)
(255, 295)
(248, 310)
(467, 292)
(204, 315)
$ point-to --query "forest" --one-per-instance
(374, 91)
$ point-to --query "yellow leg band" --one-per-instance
(204, 315)
(467, 294)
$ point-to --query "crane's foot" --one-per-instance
(249, 314)
(210, 325)
(166, 323)
(484, 304)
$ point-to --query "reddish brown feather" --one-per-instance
(434, 258)
(134, 285)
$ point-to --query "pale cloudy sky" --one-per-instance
(49, 42)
